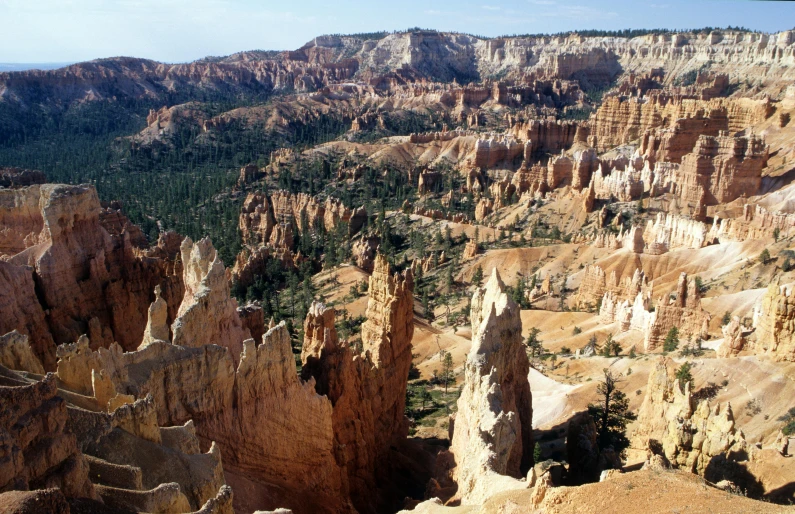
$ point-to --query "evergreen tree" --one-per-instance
(611, 347)
(448, 374)
(611, 415)
(533, 343)
(684, 376)
(477, 276)
(671, 342)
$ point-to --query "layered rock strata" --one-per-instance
(39, 451)
(718, 170)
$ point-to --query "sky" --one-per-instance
(37, 31)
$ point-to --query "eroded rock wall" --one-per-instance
(88, 280)
(690, 435)
(367, 389)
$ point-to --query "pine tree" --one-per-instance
(477, 277)
(611, 415)
(684, 376)
(533, 343)
(447, 370)
(671, 342)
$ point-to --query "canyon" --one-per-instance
(447, 273)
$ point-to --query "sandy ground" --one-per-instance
(549, 399)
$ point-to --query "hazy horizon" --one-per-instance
(64, 32)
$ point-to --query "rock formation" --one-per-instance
(366, 389)
(595, 283)
(471, 250)
(157, 324)
(39, 452)
(271, 225)
(21, 311)
(684, 312)
(89, 280)
(207, 314)
(16, 354)
(620, 120)
(364, 251)
(775, 328)
(733, 339)
(718, 170)
(492, 436)
(669, 232)
(689, 434)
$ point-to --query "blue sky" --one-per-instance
(183, 30)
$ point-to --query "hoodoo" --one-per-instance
(402, 271)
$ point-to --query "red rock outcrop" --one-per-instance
(544, 136)
(38, 450)
(620, 120)
(493, 434)
(719, 170)
(367, 389)
(268, 226)
(315, 452)
(89, 280)
(21, 311)
(684, 313)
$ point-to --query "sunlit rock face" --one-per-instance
(492, 438)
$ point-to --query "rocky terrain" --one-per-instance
(447, 274)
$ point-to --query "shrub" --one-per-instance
(577, 330)
(789, 422)
(753, 407)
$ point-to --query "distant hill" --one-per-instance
(24, 66)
